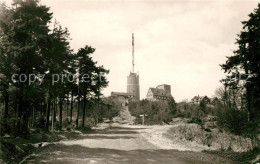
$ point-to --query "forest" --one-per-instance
(41, 77)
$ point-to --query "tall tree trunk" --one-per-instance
(42, 109)
(15, 112)
(29, 115)
(53, 114)
(48, 114)
(225, 95)
(33, 115)
(67, 107)
(84, 110)
(71, 106)
(61, 113)
(6, 126)
(25, 117)
(20, 110)
(55, 109)
(77, 117)
(248, 96)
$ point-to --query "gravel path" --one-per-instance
(125, 144)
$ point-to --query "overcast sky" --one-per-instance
(180, 43)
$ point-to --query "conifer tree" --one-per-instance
(245, 63)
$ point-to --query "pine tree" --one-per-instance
(91, 77)
(25, 39)
(29, 47)
(245, 63)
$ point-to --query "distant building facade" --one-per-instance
(122, 97)
(198, 99)
(160, 93)
(122, 94)
(205, 100)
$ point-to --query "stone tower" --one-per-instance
(133, 78)
(133, 85)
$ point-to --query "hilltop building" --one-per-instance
(198, 99)
(122, 95)
(133, 87)
(160, 93)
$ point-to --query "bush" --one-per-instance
(233, 120)
(196, 136)
(106, 108)
(195, 120)
(85, 129)
(156, 112)
(199, 111)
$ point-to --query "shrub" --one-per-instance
(193, 111)
(232, 120)
(156, 112)
(195, 120)
(214, 140)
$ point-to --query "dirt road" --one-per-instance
(115, 145)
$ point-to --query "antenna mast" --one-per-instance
(133, 61)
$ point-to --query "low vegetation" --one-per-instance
(13, 150)
(212, 138)
(156, 112)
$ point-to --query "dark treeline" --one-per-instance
(36, 68)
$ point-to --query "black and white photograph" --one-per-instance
(130, 81)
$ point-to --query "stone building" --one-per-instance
(122, 95)
(133, 89)
(160, 93)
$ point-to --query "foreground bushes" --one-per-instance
(228, 118)
(211, 140)
(236, 121)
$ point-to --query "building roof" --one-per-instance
(159, 92)
(163, 85)
(121, 94)
(196, 98)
